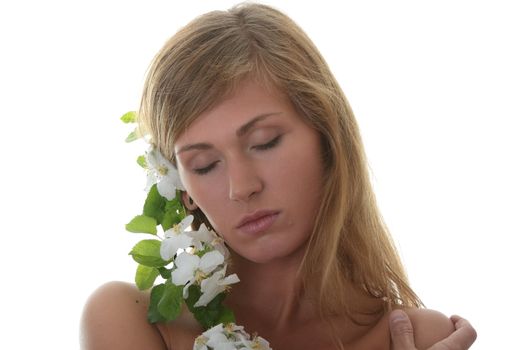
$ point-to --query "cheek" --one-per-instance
(305, 180)
(211, 199)
(302, 173)
(304, 193)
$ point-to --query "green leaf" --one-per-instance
(211, 314)
(132, 136)
(153, 311)
(164, 272)
(147, 252)
(226, 315)
(142, 224)
(145, 276)
(174, 212)
(141, 160)
(129, 117)
(170, 304)
(194, 293)
(154, 204)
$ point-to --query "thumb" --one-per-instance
(401, 331)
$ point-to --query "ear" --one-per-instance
(188, 202)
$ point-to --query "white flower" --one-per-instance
(224, 346)
(237, 331)
(163, 173)
(176, 238)
(192, 268)
(220, 341)
(203, 235)
(262, 343)
(215, 329)
(229, 337)
(200, 343)
(257, 343)
(214, 338)
(214, 285)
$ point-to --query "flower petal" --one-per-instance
(150, 181)
(185, 290)
(197, 346)
(231, 279)
(224, 346)
(210, 288)
(216, 329)
(181, 276)
(210, 261)
(166, 188)
(151, 158)
(262, 343)
(170, 233)
(184, 260)
(185, 223)
(216, 338)
(218, 244)
(203, 235)
(186, 266)
(174, 178)
(172, 243)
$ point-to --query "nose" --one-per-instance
(245, 182)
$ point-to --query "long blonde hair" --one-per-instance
(206, 60)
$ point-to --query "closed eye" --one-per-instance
(206, 169)
(268, 145)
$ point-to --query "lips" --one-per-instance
(257, 222)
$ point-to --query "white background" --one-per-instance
(438, 88)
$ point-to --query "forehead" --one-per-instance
(248, 101)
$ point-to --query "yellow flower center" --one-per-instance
(201, 340)
(217, 241)
(256, 345)
(199, 276)
(229, 328)
(162, 170)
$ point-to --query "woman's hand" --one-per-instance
(402, 334)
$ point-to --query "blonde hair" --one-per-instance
(206, 60)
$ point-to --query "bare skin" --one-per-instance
(115, 317)
(232, 166)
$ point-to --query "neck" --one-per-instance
(273, 291)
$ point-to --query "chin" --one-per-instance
(270, 254)
(256, 258)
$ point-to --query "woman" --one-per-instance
(271, 158)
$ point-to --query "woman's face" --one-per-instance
(253, 167)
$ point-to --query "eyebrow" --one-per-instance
(243, 130)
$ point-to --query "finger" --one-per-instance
(460, 321)
(464, 326)
(455, 318)
(461, 339)
(401, 331)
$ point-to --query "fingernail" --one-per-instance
(398, 315)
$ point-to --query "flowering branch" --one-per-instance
(193, 263)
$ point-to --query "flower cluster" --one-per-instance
(193, 263)
(162, 173)
(201, 260)
(229, 337)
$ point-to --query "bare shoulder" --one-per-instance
(115, 317)
(429, 326)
